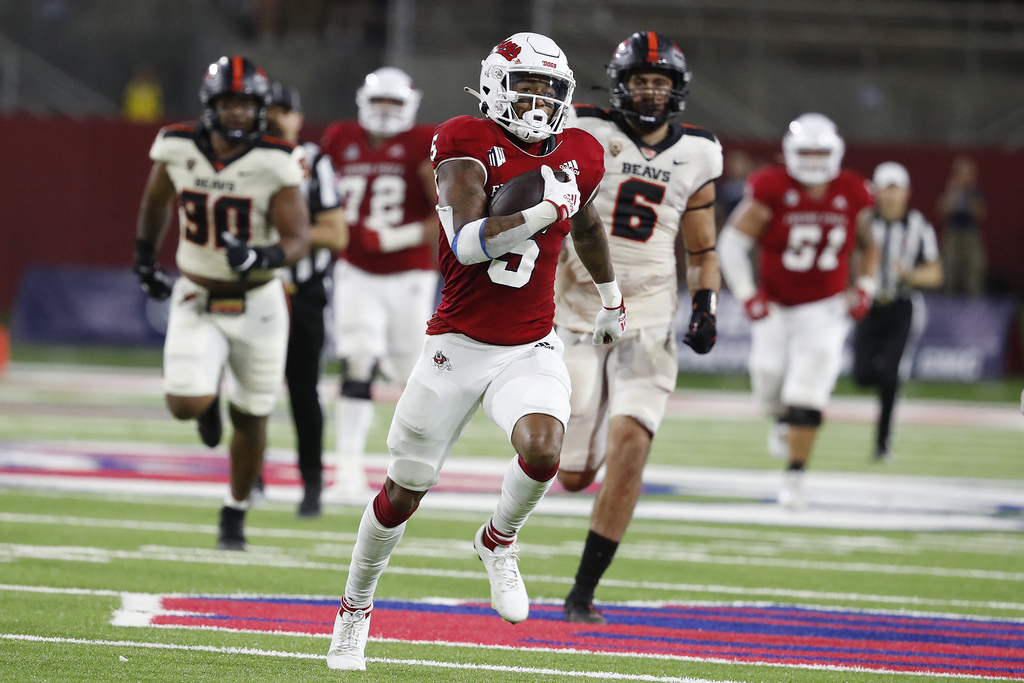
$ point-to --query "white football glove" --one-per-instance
(565, 196)
(610, 324)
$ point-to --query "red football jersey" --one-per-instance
(380, 186)
(804, 253)
(509, 300)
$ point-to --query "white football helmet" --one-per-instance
(813, 149)
(520, 55)
(383, 118)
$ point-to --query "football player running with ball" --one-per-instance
(490, 343)
(808, 219)
(658, 189)
(242, 216)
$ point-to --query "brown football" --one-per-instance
(521, 192)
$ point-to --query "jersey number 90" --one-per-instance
(226, 214)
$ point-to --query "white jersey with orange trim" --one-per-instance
(641, 200)
(216, 196)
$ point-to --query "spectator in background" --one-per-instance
(309, 288)
(738, 165)
(962, 207)
(143, 97)
(909, 260)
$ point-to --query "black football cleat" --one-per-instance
(309, 508)
(211, 427)
(583, 613)
(231, 536)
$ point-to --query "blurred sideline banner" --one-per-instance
(964, 340)
(73, 305)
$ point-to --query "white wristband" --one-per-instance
(540, 216)
(868, 284)
(610, 295)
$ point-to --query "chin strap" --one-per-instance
(474, 93)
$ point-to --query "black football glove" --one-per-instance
(154, 281)
(242, 258)
(701, 332)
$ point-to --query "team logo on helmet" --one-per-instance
(508, 50)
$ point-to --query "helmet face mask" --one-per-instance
(813, 149)
(638, 58)
(238, 79)
(526, 86)
(387, 102)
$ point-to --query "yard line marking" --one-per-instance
(602, 675)
(429, 548)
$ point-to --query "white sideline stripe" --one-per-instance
(756, 513)
(255, 558)
(602, 675)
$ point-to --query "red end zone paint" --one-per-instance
(773, 634)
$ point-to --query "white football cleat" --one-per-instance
(348, 645)
(778, 441)
(508, 593)
(792, 494)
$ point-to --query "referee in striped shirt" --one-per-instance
(309, 289)
(884, 340)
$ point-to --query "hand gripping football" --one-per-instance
(521, 192)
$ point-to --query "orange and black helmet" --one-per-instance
(235, 76)
(648, 51)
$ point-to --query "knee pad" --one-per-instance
(802, 417)
(356, 378)
(352, 389)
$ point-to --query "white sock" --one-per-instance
(374, 545)
(230, 502)
(519, 495)
(353, 417)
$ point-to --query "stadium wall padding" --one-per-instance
(71, 191)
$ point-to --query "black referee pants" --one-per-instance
(879, 342)
(302, 373)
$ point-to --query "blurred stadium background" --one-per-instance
(94, 472)
(912, 80)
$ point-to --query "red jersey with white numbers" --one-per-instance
(804, 253)
(510, 299)
(381, 189)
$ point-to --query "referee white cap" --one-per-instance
(891, 173)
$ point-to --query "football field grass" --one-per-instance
(100, 581)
